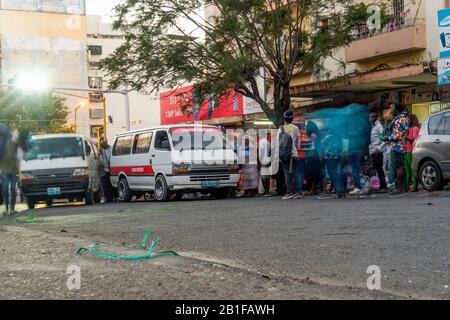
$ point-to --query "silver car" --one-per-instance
(431, 155)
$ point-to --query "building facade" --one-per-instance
(44, 39)
(396, 62)
(102, 40)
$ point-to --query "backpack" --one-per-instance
(285, 146)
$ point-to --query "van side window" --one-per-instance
(162, 141)
(123, 146)
(142, 143)
(436, 125)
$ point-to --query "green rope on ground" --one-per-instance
(93, 249)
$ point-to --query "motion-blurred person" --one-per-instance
(413, 134)
(358, 140)
(108, 190)
(332, 154)
(376, 149)
(9, 167)
(249, 167)
(313, 164)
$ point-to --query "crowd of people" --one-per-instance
(347, 155)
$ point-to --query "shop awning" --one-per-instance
(390, 79)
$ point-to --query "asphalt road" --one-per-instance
(260, 248)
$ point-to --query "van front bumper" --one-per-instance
(202, 182)
(68, 188)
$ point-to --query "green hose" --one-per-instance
(93, 249)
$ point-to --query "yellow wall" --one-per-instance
(51, 25)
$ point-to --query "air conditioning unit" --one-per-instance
(96, 113)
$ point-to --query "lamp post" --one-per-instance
(82, 104)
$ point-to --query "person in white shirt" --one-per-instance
(376, 149)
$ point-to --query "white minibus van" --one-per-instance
(171, 160)
(60, 166)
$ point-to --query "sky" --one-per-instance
(101, 7)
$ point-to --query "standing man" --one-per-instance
(9, 167)
(264, 155)
(376, 149)
(397, 140)
(287, 139)
(106, 176)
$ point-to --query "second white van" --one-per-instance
(169, 161)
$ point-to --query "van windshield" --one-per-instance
(54, 148)
(196, 138)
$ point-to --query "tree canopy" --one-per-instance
(36, 112)
(285, 38)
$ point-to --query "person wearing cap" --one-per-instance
(289, 166)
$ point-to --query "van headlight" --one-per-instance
(26, 177)
(80, 173)
(181, 168)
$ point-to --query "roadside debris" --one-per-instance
(148, 254)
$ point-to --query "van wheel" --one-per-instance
(221, 193)
(162, 192)
(124, 192)
(431, 176)
(31, 203)
(89, 197)
(49, 202)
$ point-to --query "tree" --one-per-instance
(285, 38)
(36, 112)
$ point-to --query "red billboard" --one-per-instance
(174, 101)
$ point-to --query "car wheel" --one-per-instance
(162, 192)
(431, 176)
(31, 203)
(123, 190)
(221, 193)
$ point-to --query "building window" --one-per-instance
(95, 82)
(96, 113)
(94, 132)
(95, 50)
(95, 97)
(94, 65)
(399, 7)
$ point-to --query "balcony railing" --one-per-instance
(363, 31)
(393, 38)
